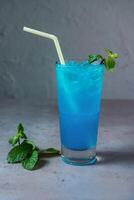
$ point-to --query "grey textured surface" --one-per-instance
(83, 27)
(112, 178)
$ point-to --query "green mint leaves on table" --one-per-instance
(109, 62)
(24, 151)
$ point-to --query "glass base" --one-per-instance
(78, 157)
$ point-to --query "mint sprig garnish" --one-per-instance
(109, 62)
(26, 152)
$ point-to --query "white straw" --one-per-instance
(49, 36)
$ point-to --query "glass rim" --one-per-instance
(78, 62)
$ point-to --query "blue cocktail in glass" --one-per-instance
(79, 86)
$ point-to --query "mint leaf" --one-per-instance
(114, 55)
(10, 140)
(99, 57)
(50, 152)
(109, 63)
(32, 143)
(19, 153)
(30, 163)
(20, 132)
(109, 52)
(92, 58)
(13, 140)
(20, 128)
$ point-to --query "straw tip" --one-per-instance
(24, 28)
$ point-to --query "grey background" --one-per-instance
(27, 62)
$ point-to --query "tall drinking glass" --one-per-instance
(79, 86)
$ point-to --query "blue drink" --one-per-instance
(79, 86)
